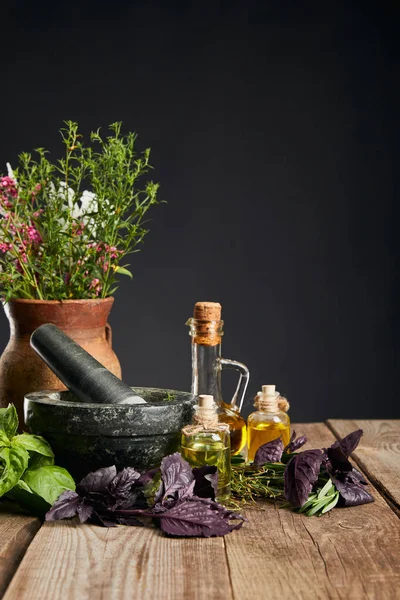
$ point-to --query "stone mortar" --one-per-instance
(86, 436)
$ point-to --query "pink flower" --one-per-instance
(38, 187)
(37, 213)
(77, 228)
(105, 267)
(4, 247)
(9, 186)
(33, 234)
(95, 285)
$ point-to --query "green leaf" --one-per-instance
(15, 461)
(27, 499)
(49, 482)
(4, 441)
(325, 489)
(39, 460)
(331, 504)
(33, 443)
(123, 271)
(9, 420)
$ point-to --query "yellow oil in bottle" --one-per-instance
(268, 423)
(237, 427)
(212, 449)
(261, 433)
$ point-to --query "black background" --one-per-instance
(274, 134)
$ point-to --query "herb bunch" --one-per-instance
(28, 475)
(310, 482)
(181, 500)
(66, 227)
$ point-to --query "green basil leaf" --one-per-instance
(15, 461)
(33, 443)
(38, 460)
(21, 485)
(22, 494)
(4, 441)
(9, 420)
(49, 482)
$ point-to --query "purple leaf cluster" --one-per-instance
(348, 481)
(272, 451)
(180, 499)
(304, 469)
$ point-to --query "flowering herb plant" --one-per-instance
(66, 227)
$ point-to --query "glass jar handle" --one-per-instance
(238, 396)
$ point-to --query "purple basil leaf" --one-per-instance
(294, 444)
(292, 438)
(269, 452)
(176, 473)
(352, 493)
(84, 512)
(338, 461)
(131, 521)
(106, 519)
(206, 481)
(195, 518)
(349, 443)
(356, 476)
(187, 491)
(300, 475)
(98, 481)
(64, 507)
(121, 488)
(148, 476)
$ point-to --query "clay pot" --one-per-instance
(21, 369)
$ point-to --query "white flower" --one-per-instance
(10, 172)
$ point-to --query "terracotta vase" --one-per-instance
(23, 371)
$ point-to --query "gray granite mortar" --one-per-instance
(86, 436)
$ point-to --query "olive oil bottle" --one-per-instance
(268, 422)
(207, 442)
(206, 331)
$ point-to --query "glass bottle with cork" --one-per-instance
(269, 422)
(207, 442)
(206, 331)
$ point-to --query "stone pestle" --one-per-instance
(78, 370)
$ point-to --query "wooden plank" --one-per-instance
(348, 553)
(69, 561)
(16, 533)
(378, 453)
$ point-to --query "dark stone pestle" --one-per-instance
(78, 370)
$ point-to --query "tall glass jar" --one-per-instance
(206, 331)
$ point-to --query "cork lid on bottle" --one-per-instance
(207, 311)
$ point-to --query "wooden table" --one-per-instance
(348, 553)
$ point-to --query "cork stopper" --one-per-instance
(267, 399)
(206, 325)
(205, 417)
(207, 311)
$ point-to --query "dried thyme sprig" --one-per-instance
(249, 483)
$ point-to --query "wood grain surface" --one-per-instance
(378, 453)
(16, 533)
(348, 553)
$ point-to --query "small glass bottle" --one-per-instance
(207, 442)
(268, 422)
(206, 331)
